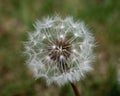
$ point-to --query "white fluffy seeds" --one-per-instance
(66, 50)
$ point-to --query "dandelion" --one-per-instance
(60, 50)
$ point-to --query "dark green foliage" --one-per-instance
(66, 90)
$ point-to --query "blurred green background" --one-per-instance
(16, 19)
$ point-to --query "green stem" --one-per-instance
(76, 92)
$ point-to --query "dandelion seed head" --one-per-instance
(60, 50)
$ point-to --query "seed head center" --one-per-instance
(59, 50)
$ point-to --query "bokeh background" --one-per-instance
(17, 18)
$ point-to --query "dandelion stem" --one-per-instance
(76, 92)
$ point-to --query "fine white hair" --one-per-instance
(55, 28)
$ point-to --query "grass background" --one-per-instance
(17, 17)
